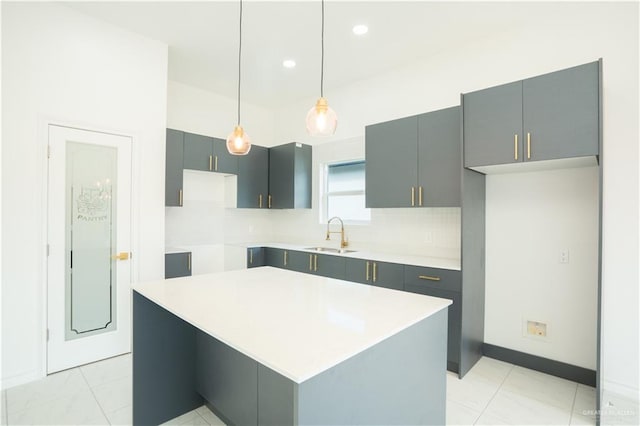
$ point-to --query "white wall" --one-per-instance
(583, 33)
(62, 66)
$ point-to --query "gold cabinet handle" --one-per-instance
(367, 274)
(250, 256)
(269, 200)
(180, 197)
(285, 258)
(260, 201)
(528, 145)
(311, 262)
(210, 162)
(428, 277)
(413, 197)
(189, 261)
(121, 256)
(375, 269)
(216, 163)
(515, 146)
(420, 196)
(315, 263)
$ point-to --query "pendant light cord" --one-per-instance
(322, 55)
(239, 61)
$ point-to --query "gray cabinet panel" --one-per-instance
(290, 176)
(560, 113)
(198, 152)
(255, 257)
(227, 379)
(492, 119)
(223, 162)
(299, 261)
(173, 168)
(443, 279)
(358, 270)
(391, 168)
(276, 406)
(388, 275)
(454, 323)
(177, 265)
(253, 178)
(274, 257)
(329, 266)
(439, 158)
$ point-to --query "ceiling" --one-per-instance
(203, 39)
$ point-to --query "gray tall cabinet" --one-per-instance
(173, 168)
(290, 176)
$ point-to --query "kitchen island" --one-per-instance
(270, 346)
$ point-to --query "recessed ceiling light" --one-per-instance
(289, 63)
(360, 29)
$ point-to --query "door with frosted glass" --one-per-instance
(89, 265)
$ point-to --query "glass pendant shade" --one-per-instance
(321, 120)
(238, 142)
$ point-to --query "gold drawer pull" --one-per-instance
(528, 146)
(180, 198)
(311, 262)
(515, 146)
(216, 164)
(429, 278)
(367, 274)
(210, 162)
(315, 262)
(189, 261)
(375, 270)
(285, 258)
(413, 196)
(260, 200)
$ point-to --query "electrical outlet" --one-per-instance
(535, 328)
(564, 256)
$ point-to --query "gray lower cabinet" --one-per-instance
(177, 265)
(253, 178)
(414, 161)
(548, 117)
(255, 257)
(381, 274)
(173, 168)
(290, 176)
(275, 257)
(208, 154)
(227, 379)
(327, 265)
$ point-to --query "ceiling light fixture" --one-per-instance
(321, 120)
(238, 142)
(289, 63)
(360, 29)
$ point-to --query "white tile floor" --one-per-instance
(492, 393)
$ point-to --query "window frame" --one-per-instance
(324, 192)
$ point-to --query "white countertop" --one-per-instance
(299, 325)
(405, 259)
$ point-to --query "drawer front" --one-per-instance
(444, 279)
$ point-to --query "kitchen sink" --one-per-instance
(330, 250)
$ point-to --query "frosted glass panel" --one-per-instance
(346, 177)
(90, 239)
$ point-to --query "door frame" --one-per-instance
(43, 137)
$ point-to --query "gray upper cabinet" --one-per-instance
(391, 168)
(439, 158)
(173, 168)
(208, 154)
(253, 178)
(414, 161)
(549, 117)
(290, 176)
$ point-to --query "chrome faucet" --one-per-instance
(343, 240)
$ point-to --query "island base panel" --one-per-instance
(164, 368)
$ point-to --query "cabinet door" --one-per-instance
(299, 261)
(253, 178)
(198, 152)
(274, 257)
(255, 257)
(439, 158)
(281, 172)
(391, 167)
(329, 266)
(177, 265)
(173, 168)
(492, 123)
(358, 271)
(560, 111)
(388, 275)
(223, 162)
(454, 321)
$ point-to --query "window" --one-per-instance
(344, 192)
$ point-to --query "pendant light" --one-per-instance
(321, 120)
(238, 142)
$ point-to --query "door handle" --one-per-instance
(315, 263)
(260, 201)
(180, 197)
(121, 256)
(216, 164)
(210, 162)
(269, 201)
(250, 256)
(413, 196)
(285, 258)
(515, 146)
(311, 262)
(528, 145)
(367, 274)
(420, 196)
(375, 268)
(189, 261)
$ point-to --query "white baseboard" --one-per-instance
(21, 379)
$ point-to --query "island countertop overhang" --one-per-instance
(299, 325)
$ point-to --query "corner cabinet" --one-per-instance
(208, 154)
(549, 117)
(290, 176)
(173, 168)
(414, 161)
(253, 178)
